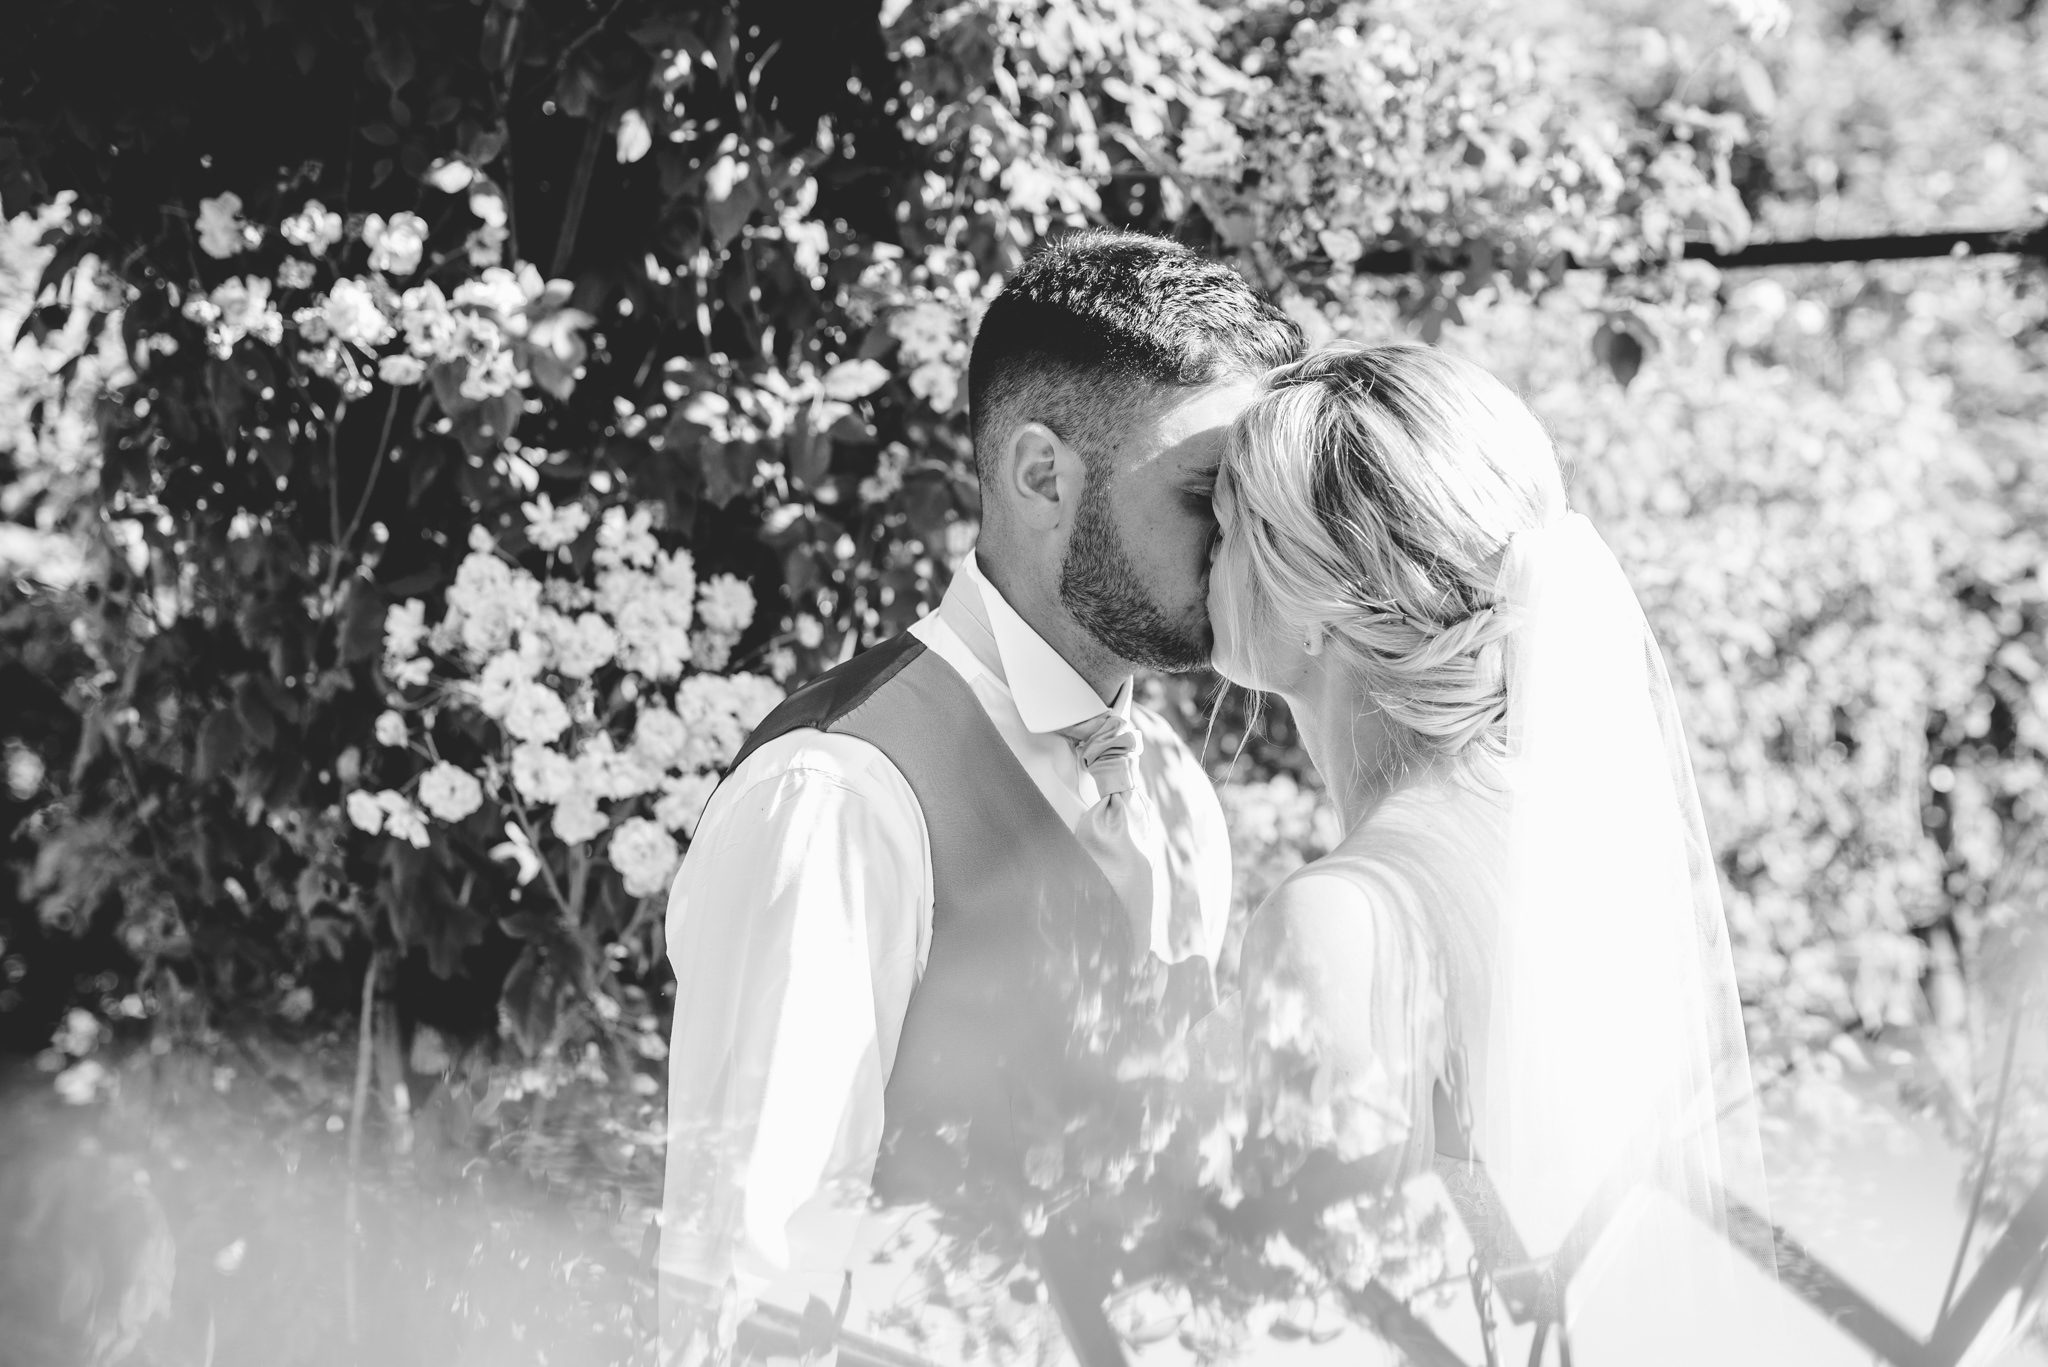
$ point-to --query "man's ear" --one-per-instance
(1045, 477)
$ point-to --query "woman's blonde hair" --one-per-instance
(1374, 490)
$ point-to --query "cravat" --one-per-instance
(1118, 829)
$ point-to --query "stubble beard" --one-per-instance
(1100, 586)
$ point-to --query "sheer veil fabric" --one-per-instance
(1613, 1056)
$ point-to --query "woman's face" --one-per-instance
(1251, 648)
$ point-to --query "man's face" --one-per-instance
(1136, 568)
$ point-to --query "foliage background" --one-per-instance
(773, 232)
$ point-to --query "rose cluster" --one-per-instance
(500, 330)
(601, 687)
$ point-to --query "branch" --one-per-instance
(344, 535)
(357, 1112)
(1984, 1157)
(577, 43)
(547, 873)
(579, 193)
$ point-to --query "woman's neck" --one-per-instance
(1349, 739)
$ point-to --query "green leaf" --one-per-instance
(810, 456)
(856, 379)
(258, 719)
(1619, 348)
(393, 59)
(227, 396)
(527, 1007)
(362, 623)
(728, 469)
(723, 218)
(277, 453)
(928, 500)
(219, 745)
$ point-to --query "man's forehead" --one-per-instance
(1192, 433)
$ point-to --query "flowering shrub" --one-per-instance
(583, 696)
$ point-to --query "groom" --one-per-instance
(870, 924)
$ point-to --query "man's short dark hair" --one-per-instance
(1090, 331)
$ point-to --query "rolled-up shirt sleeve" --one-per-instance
(797, 927)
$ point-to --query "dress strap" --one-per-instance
(1531, 1288)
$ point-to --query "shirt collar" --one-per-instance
(1048, 692)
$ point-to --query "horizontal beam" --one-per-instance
(1898, 247)
(1815, 251)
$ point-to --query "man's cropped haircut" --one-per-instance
(1093, 329)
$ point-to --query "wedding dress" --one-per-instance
(1535, 988)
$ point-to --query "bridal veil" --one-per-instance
(1614, 1076)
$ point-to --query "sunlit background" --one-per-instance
(339, 340)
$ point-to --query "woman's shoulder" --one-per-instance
(1332, 912)
(1424, 844)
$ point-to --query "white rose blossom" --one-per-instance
(654, 633)
(364, 813)
(682, 801)
(401, 370)
(489, 600)
(222, 233)
(79, 1033)
(719, 711)
(391, 729)
(626, 539)
(82, 1083)
(405, 626)
(412, 673)
(536, 714)
(925, 331)
(396, 244)
(551, 528)
(500, 290)
(311, 321)
(315, 228)
(645, 856)
(577, 819)
(660, 736)
(429, 326)
(725, 604)
(605, 771)
(677, 572)
(492, 370)
(582, 645)
(938, 384)
(403, 820)
(242, 308)
(711, 650)
(500, 680)
(541, 773)
(353, 316)
(450, 793)
(1211, 147)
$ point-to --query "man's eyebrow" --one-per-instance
(1204, 474)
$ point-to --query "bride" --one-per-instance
(1516, 957)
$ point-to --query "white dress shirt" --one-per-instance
(798, 926)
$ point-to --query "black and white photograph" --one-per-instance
(1030, 683)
